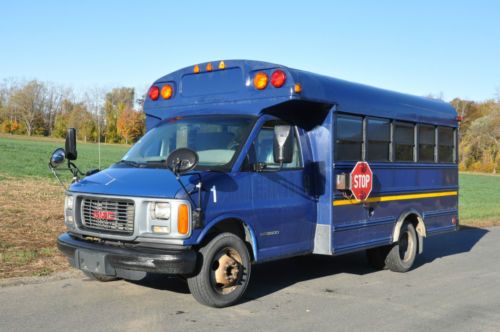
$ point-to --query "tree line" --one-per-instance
(479, 134)
(45, 109)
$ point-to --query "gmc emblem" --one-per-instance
(104, 215)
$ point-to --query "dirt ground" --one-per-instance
(31, 217)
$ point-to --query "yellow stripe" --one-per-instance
(394, 198)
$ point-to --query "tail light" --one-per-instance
(278, 78)
(154, 92)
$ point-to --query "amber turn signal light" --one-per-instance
(167, 91)
(260, 80)
(183, 219)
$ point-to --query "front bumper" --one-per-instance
(123, 262)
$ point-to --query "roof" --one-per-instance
(233, 86)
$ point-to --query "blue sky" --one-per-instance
(417, 47)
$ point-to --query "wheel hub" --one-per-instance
(227, 269)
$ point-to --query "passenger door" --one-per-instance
(283, 209)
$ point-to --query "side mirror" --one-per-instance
(70, 145)
(283, 144)
(57, 158)
(182, 160)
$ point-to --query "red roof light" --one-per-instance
(154, 92)
(278, 78)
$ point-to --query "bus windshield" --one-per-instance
(216, 139)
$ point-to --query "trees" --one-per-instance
(130, 125)
(40, 108)
(117, 100)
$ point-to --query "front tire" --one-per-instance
(224, 272)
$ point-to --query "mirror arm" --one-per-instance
(57, 177)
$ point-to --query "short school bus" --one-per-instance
(247, 162)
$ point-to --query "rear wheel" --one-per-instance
(224, 272)
(402, 255)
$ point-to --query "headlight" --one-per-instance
(160, 210)
(69, 202)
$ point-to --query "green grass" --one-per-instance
(22, 156)
(479, 198)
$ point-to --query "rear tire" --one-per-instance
(402, 255)
(224, 272)
(100, 277)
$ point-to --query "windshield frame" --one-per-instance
(225, 167)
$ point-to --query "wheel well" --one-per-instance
(417, 221)
(234, 226)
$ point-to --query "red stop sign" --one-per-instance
(361, 180)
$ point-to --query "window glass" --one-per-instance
(215, 138)
(446, 145)
(426, 143)
(349, 137)
(378, 136)
(262, 148)
(404, 144)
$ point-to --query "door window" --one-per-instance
(261, 151)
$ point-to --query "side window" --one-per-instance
(348, 137)
(404, 141)
(262, 148)
(446, 145)
(378, 137)
(426, 143)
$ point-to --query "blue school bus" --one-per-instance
(246, 162)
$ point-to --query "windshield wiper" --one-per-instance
(129, 163)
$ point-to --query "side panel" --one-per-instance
(429, 189)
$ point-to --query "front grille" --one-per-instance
(109, 215)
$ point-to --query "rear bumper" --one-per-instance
(121, 261)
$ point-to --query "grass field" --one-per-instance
(479, 199)
(31, 202)
(23, 156)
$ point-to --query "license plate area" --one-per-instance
(91, 261)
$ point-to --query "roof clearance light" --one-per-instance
(154, 92)
(222, 65)
(278, 78)
(196, 69)
(167, 91)
(209, 67)
(260, 80)
(297, 88)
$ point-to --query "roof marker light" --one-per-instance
(196, 69)
(278, 78)
(260, 80)
(167, 91)
(154, 92)
(209, 66)
(222, 65)
(297, 88)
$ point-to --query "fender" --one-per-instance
(420, 228)
(249, 232)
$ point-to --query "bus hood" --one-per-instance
(136, 182)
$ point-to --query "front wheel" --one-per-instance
(224, 272)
